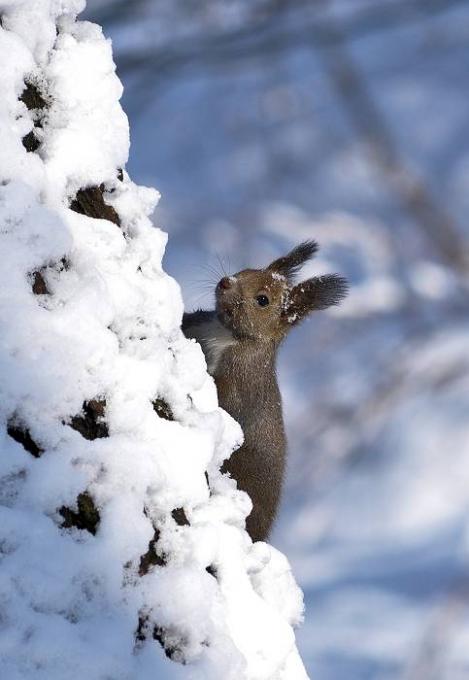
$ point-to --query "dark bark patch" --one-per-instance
(172, 642)
(35, 102)
(151, 557)
(179, 517)
(163, 409)
(90, 202)
(144, 628)
(212, 570)
(140, 633)
(39, 284)
(23, 437)
(30, 142)
(32, 97)
(86, 517)
(90, 422)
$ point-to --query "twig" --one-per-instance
(371, 126)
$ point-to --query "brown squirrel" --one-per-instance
(254, 311)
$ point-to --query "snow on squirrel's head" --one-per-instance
(264, 304)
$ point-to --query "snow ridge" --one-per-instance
(122, 548)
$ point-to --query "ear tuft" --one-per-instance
(329, 290)
(314, 294)
(290, 264)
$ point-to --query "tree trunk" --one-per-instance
(122, 547)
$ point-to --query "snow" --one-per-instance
(105, 331)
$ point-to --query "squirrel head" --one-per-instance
(264, 304)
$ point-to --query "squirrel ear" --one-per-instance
(290, 264)
(317, 293)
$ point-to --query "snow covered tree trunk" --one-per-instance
(122, 548)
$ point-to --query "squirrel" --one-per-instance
(254, 311)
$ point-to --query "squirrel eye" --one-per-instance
(262, 300)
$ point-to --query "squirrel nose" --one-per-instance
(224, 283)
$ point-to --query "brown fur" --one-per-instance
(240, 339)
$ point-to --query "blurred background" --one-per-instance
(265, 122)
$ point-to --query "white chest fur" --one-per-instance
(215, 339)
